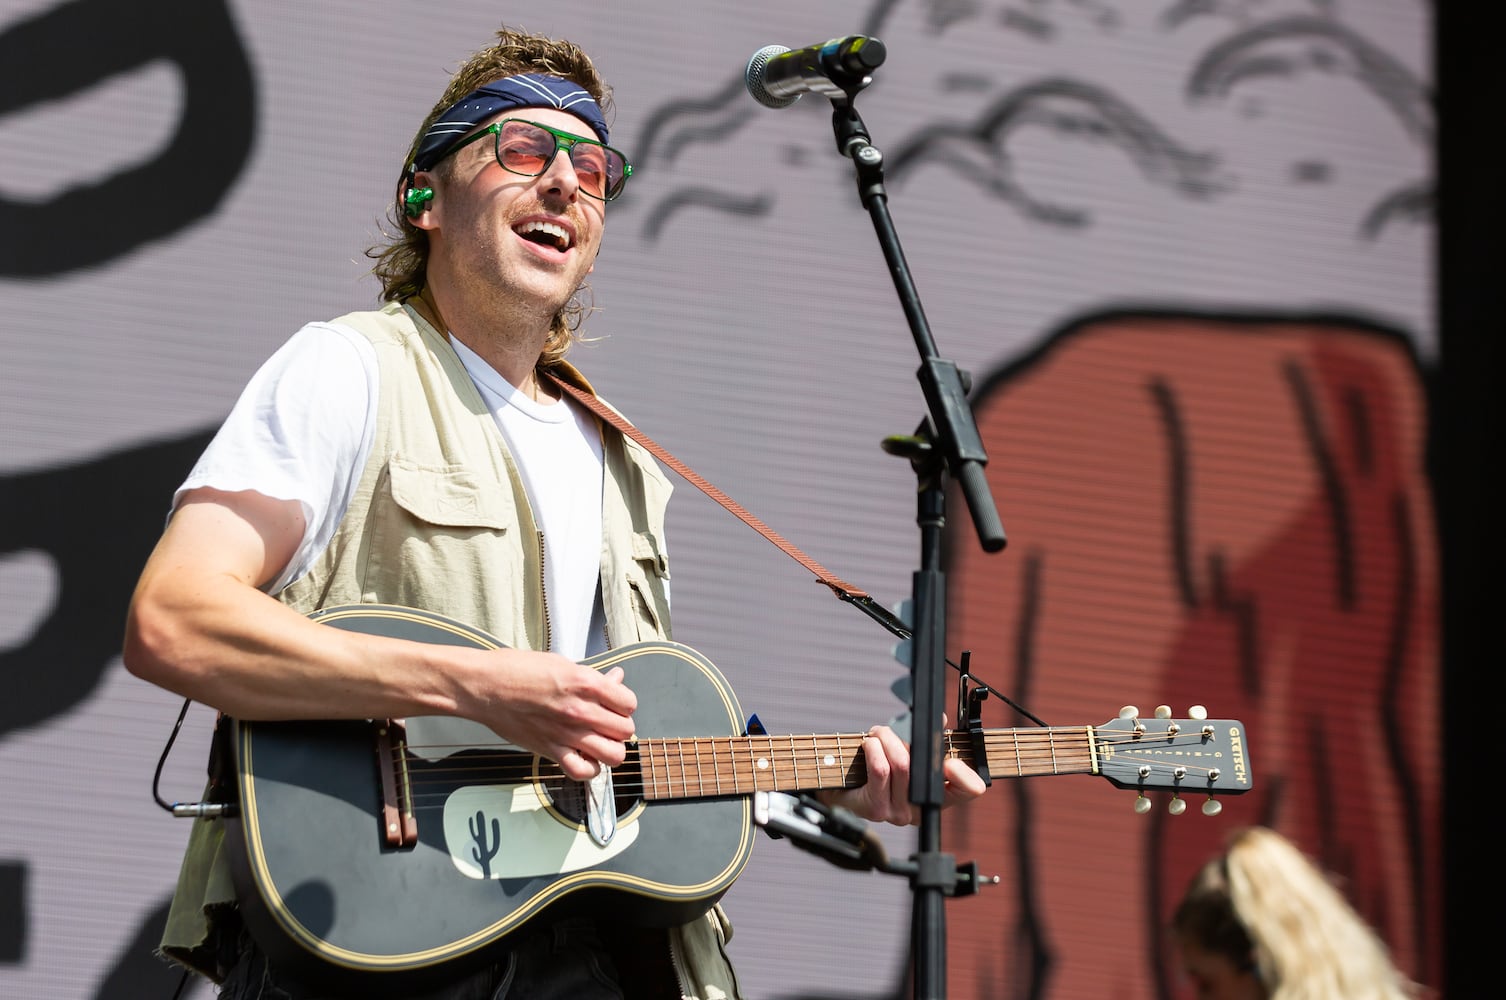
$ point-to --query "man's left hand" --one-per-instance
(885, 798)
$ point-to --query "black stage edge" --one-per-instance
(1466, 446)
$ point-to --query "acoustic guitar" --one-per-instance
(369, 854)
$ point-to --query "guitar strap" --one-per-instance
(839, 587)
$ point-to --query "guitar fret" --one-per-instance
(646, 752)
(669, 785)
(737, 770)
(752, 764)
(736, 748)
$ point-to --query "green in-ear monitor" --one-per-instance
(414, 200)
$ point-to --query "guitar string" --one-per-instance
(519, 761)
(959, 743)
(709, 746)
(519, 766)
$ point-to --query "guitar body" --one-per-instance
(499, 842)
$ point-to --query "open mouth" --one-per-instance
(545, 234)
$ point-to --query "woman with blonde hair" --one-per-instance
(1263, 922)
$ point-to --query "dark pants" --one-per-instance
(568, 959)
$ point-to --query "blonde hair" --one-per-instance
(402, 260)
(1264, 905)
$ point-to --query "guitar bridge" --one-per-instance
(399, 824)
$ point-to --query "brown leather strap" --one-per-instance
(844, 590)
(823, 575)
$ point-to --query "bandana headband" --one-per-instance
(526, 90)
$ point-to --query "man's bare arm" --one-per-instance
(200, 626)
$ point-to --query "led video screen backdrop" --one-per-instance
(1182, 249)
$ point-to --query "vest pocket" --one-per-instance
(441, 537)
(648, 554)
(449, 496)
(647, 578)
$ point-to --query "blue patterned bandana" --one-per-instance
(527, 90)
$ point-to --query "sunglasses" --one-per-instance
(527, 148)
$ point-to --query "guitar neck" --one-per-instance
(708, 766)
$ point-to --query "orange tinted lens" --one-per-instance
(591, 167)
(524, 148)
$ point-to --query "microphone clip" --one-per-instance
(843, 839)
(830, 831)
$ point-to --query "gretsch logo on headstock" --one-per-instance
(1237, 751)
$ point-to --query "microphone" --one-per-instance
(777, 76)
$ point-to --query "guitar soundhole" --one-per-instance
(568, 796)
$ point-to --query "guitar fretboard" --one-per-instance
(707, 766)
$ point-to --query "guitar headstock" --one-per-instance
(1196, 756)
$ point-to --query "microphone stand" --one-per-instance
(947, 442)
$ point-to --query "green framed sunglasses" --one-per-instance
(527, 148)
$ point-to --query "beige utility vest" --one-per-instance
(441, 521)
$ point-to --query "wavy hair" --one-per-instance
(1265, 906)
(402, 258)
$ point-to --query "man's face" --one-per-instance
(494, 232)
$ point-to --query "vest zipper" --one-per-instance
(544, 595)
(674, 966)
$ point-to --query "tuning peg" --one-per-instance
(1177, 806)
(1212, 807)
(1142, 805)
(1163, 711)
(1129, 712)
(1197, 712)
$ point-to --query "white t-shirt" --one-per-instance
(302, 430)
(558, 451)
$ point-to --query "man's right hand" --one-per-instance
(555, 707)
